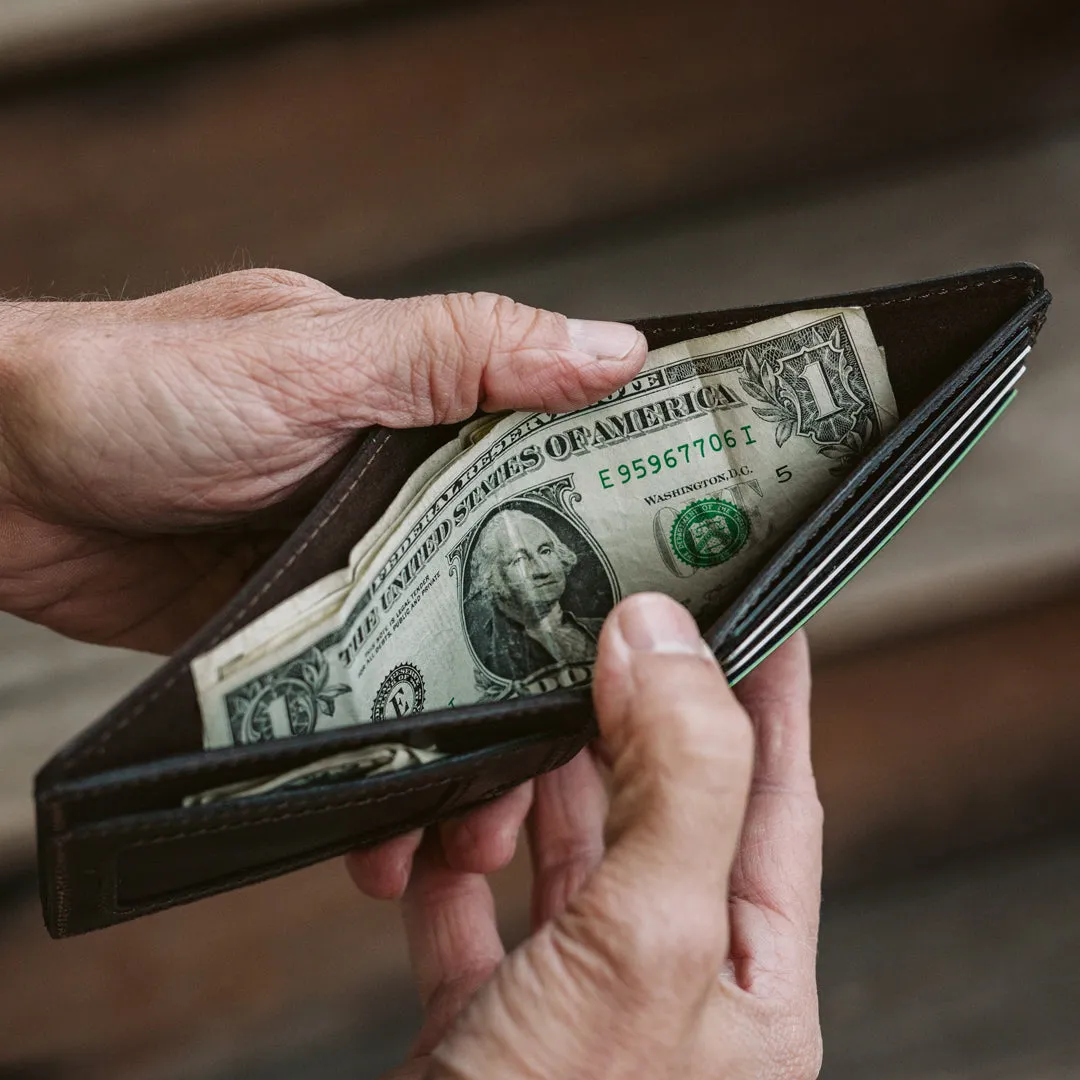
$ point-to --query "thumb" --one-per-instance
(436, 359)
(620, 980)
(681, 751)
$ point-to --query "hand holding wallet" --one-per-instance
(115, 841)
(490, 575)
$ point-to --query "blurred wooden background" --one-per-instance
(606, 159)
(374, 137)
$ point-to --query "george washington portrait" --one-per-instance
(536, 592)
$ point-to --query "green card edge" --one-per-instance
(895, 529)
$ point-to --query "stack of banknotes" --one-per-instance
(490, 574)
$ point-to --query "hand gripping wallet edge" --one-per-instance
(114, 841)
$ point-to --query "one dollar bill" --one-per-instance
(350, 765)
(492, 573)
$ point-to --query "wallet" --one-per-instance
(114, 838)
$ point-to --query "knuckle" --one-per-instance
(566, 855)
(450, 995)
(696, 732)
(250, 292)
(486, 322)
(464, 318)
(566, 866)
(813, 811)
(270, 277)
(645, 954)
(473, 319)
(467, 332)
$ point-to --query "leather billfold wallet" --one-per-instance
(114, 838)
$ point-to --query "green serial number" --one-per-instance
(674, 456)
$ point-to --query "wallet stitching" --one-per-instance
(949, 291)
(138, 710)
(251, 815)
(281, 866)
(457, 787)
(243, 815)
(208, 769)
(308, 806)
(123, 721)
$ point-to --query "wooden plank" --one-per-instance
(969, 974)
(966, 736)
(50, 689)
(367, 145)
(37, 32)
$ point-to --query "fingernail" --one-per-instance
(651, 622)
(605, 340)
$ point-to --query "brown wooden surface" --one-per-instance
(965, 974)
(35, 33)
(923, 750)
(961, 737)
(368, 144)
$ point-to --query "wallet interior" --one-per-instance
(114, 841)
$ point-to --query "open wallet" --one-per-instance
(115, 840)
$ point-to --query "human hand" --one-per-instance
(153, 452)
(676, 938)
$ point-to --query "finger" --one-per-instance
(676, 738)
(681, 750)
(625, 974)
(435, 359)
(454, 942)
(382, 872)
(776, 882)
(566, 833)
(485, 840)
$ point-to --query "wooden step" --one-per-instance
(364, 142)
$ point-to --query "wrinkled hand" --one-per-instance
(674, 929)
(153, 452)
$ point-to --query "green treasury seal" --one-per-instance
(708, 532)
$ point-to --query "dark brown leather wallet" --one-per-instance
(115, 841)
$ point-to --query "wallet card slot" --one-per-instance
(726, 632)
(859, 518)
(888, 518)
(870, 526)
(861, 499)
(163, 785)
(133, 864)
(176, 861)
